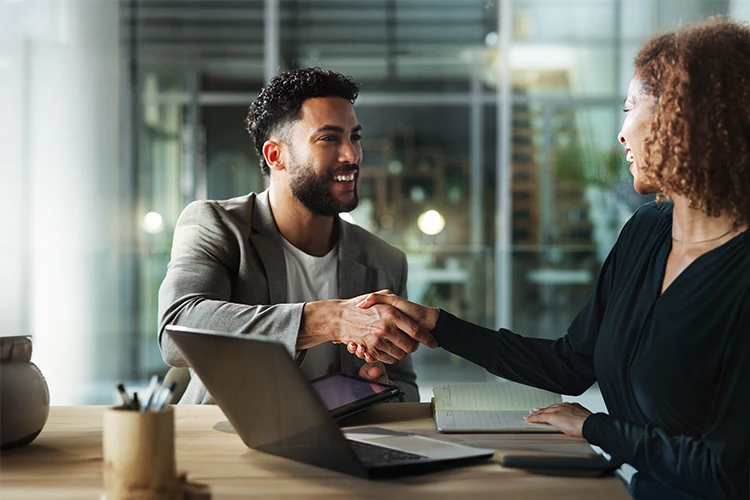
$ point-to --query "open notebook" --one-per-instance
(489, 407)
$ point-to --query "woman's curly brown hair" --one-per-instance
(699, 146)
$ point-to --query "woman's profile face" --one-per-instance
(639, 113)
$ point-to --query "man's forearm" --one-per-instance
(280, 322)
(318, 323)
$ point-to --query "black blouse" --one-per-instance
(673, 368)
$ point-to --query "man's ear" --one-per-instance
(272, 154)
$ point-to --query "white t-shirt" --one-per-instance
(310, 278)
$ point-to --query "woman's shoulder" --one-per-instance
(654, 212)
(646, 220)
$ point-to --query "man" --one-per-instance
(273, 264)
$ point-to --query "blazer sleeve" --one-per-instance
(197, 289)
(401, 373)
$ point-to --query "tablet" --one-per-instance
(344, 395)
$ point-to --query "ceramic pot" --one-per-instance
(24, 396)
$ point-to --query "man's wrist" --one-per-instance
(316, 326)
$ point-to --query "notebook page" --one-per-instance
(492, 396)
(486, 421)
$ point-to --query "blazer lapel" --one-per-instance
(265, 238)
(352, 273)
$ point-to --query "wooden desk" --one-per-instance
(65, 461)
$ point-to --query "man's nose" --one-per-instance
(350, 153)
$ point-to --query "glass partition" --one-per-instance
(116, 174)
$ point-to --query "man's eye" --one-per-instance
(328, 138)
(356, 137)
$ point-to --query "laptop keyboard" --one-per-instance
(371, 454)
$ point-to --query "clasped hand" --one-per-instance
(413, 316)
(384, 332)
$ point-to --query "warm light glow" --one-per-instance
(153, 223)
(347, 217)
(431, 222)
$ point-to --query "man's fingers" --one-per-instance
(372, 371)
(375, 371)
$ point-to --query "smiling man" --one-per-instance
(281, 263)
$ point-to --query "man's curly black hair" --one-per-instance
(280, 102)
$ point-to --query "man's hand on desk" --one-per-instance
(384, 331)
(565, 417)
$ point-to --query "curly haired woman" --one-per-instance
(666, 332)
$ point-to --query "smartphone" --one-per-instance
(560, 465)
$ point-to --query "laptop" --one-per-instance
(274, 409)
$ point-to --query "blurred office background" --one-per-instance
(491, 154)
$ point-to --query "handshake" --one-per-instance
(379, 326)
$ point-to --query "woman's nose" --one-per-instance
(621, 138)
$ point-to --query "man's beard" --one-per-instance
(314, 193)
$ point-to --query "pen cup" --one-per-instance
(139, 455)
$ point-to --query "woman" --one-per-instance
(666, 332)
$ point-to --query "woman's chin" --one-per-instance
(642, 188)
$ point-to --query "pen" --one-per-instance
(165, 397)
(125, 398)
(136, 403)
(153, 388)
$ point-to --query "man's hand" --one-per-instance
(425, 316)
(374, 372)
(565, 417)
(385, 332)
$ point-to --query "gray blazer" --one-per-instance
(227, 273)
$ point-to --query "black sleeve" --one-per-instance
(565, 365)
(713, 465)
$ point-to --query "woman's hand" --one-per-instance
(565, 417)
